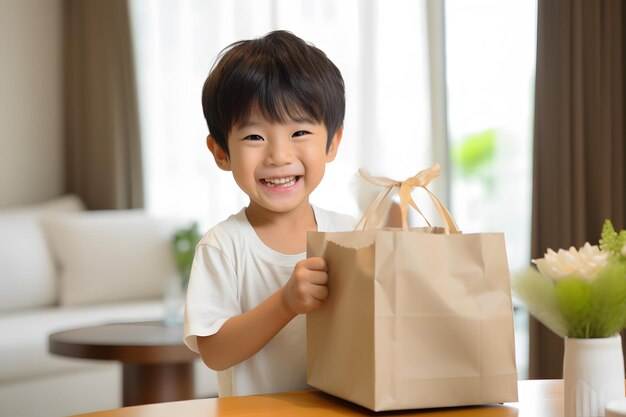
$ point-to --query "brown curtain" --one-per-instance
(103, 151)
(579, 145)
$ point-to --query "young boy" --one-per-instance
(274, 107)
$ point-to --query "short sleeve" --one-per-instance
(212, 295)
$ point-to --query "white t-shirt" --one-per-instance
(234, 271)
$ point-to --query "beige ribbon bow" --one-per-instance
(421, 179)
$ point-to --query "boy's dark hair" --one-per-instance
(286, 77)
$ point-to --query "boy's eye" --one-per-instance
(254, 137)
(300, 133)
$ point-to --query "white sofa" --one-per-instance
(63, 267)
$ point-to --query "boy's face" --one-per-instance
(276, 165)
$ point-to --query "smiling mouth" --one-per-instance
(281, 182)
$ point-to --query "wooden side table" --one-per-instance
(156, 365)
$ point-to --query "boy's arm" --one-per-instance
(242, 336)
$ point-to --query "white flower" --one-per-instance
(584, 263)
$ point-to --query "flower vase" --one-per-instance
(174, 301)
(593, 375)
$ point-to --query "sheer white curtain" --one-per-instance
(381, 48)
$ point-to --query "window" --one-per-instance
(490, 56)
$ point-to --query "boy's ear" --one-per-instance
(334, 145)
(221, 159)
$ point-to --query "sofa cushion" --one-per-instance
(27, 273)
(69, 203)
(25, 353)
(109, 256)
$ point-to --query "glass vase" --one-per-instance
(174, 301)
(593, 375)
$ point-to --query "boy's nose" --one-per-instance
(280, 153)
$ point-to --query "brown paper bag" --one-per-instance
(415, 318)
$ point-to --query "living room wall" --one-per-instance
(31, 101)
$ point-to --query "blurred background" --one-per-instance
(426, 81)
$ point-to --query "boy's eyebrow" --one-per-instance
(254, 122)
(247, 123)
(304, 119)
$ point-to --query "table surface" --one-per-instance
(144, 342)
(537, 398)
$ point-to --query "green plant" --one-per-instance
(184, 243)
(612, 242)
(475, 152)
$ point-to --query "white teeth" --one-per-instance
(280, 182)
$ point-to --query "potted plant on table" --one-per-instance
(184, 242)
(581, 296)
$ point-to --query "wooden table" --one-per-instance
(537, 398)
(156, 365)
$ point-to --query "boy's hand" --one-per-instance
(306, 289)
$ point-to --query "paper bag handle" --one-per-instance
(421, 179)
